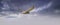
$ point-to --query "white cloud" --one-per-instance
(30, 19)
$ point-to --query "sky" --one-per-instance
(40, 6)
(45, 12)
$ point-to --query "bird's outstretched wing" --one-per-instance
(27, 11)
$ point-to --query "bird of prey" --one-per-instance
(27, 11)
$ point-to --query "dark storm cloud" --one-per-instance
(25, 4)
(16, 5)
(1, 5)
(53, 9)
(56, 4)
